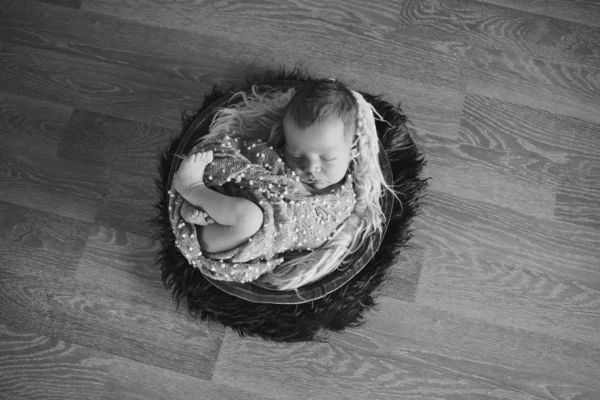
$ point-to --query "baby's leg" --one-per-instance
(236, 219)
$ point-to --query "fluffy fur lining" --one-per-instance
(341, 309)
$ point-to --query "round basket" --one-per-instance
(335, 302)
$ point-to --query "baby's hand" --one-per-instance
(195, 216)
(191, 171)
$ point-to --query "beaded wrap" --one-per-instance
(293, 218)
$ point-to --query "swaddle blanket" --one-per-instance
(294, 219)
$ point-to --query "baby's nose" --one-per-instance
(312, 167)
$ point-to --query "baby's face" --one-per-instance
(319, 154)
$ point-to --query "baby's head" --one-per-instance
(319, 126)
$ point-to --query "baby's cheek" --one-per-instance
(337, 172)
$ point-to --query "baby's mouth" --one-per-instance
(313, 184)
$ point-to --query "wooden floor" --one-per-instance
(499, 298)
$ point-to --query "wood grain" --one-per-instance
(64, 3)
(109, 89)
(581, 11)
(130, 206)
(144, 329)
(121, 144)
(24, 300)
(122, 314)
(69, 189)
(502, 29)
(30, 125)
(535, 144)
(122, 261)
(459, 174)
(532, 365)
(37, 366)
(403, 279)
(451, 225)
(40, 367)
(128, 150)
(31, 241)
(329, 371)
(143, 47)
(578, 199)
(334, 36)
(136, 381)
(565, 89)
(434, 90)
(500, 293)
(483, 24)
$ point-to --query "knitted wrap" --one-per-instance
(293, 218)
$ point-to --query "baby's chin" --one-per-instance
(319, 187)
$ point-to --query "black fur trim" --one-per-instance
(344, 308)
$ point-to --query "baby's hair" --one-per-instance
(321, 101)
(260, 115)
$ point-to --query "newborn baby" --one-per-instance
(245, 201)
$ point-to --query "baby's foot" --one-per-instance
(191, 171)
(194, 215)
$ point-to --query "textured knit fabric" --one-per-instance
(294, 219)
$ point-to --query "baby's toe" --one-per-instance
(207, 156)
(189, 213)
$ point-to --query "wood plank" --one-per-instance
(24, 301)
(193, 57)
(403, 279)
(145, 330)
(499, 293)
(113, 303)
(118, 284)
(531, 364)
(131, 212)
(578, 199)
(38, 366)
(535, 144)
(135, 381)
(128, 150)
(434, 114)
(122, 261)
(108, 182)
(449, 225)
(75, 4)
(96, 86)
(32, 125)
(69, 189)
(141, 45)
(97, 316)
(569, 89)
(270, 24)
(502, 29)
(31, 240)
(585, 12)
(130, 206)
(121, 144)
(41, 367)
(458, 174)
(329, 371)
(478, 23)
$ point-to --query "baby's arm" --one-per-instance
(236, 219)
